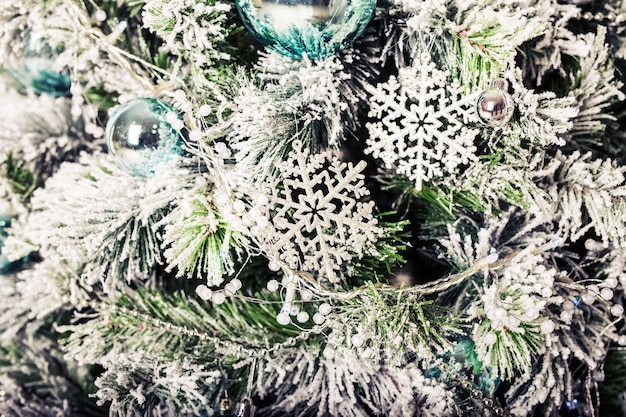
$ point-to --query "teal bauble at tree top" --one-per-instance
(144, 133)
(312, 28)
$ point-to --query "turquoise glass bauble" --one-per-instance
(35, 68)
(140, 135)
(315, 28)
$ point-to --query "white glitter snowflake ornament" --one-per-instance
(424, 123)
(318, 222)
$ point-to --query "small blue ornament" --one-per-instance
(143, 133)
(34, 69)
(575, 406)
(317, 28)
(6, 266)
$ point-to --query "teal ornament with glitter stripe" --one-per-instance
(144, 133)
(312, 28)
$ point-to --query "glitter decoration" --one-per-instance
(315, 28)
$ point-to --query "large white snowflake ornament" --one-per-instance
(424, 123)
(318, 222)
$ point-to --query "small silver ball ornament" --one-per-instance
(495, 106)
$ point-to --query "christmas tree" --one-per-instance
(312, 208)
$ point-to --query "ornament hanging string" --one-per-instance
(489, 262)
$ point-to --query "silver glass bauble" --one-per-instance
(495, 106)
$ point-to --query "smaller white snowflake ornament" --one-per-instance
(317, 221)
(424, 126)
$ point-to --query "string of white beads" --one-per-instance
(218, 297)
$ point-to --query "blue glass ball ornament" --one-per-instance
(317, 28)
(34, 69)
(140, 135)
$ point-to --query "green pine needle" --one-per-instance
(22, 180)
(441, 202)
(403, 323)
(151, 320)
(379, 261)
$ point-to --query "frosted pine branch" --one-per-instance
(40, 292)
(338, 382)
(301, 100)
(113, 233)
(591, 195)
(45, 133)
(198, 240)
(547, 52)
(544, 118)
(37, 382)
(140, 384)
(189, 28)
(595, 89)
